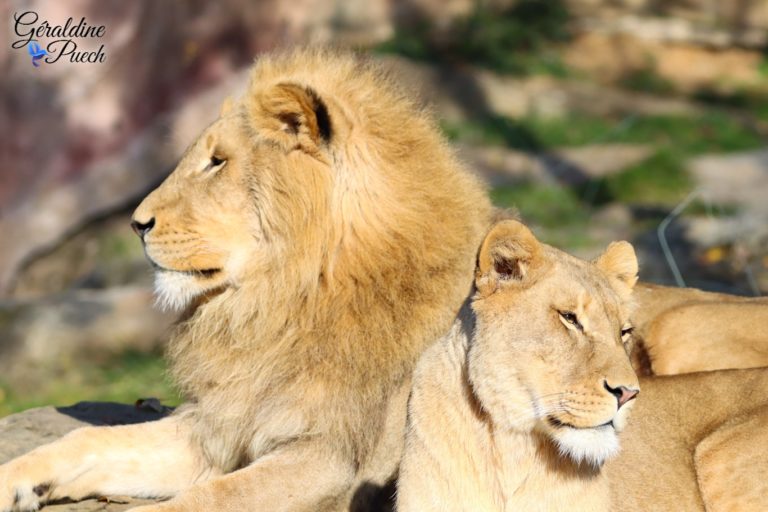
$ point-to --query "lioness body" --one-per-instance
(684, 330)
(695, 442)
(320, 235)
(511, 410)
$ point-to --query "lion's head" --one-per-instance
(550, 347)
(248, 191)
(319, 161)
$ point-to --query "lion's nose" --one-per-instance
(622, 393)
(142, 228)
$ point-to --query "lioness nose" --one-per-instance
(142, 228)
(622, 393)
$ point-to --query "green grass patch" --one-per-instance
(519, 40)
(686, 135)
(493, 131)
(124, 378)
(556, 212)
(647, 80)
(661, 179)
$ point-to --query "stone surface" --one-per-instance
(734, 178)
(25, 431)
(106, 185)
(726, 180)
(570, 166)
(37, 335)
(460, 93)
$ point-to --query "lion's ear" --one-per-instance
(292, 114)
(619, 263)
(509, 253)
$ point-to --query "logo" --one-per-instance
(36, 52)
(64, 45)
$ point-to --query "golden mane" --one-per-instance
(374, 273)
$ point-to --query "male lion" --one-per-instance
(320, 234)
(519, 406)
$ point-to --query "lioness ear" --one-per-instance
(226, 106)
(292, 113)
(508, 254)
(619, 263)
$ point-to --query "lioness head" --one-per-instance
(550, 348)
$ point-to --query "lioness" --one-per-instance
(684, 330)
(520, 405)
(320, 235)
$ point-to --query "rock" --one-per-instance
(106, 253)
(608, 224)
(459, 93)
(678, 30)
(20, 433)
(571, 166)
(734, 178)
(499, 165)
(688, 68)
(600, 160)
(41, 335)
(106, 185)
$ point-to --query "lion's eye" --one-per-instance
(626, 331)
(571, 318)
(215, 162)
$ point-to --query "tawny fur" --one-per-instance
(321, 234)
(684, 330)
(481, 435)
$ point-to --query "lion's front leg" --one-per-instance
(153, 459)
(302, 476)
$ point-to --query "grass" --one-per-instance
(493, 131)
(557, 212)
(686, 135)
(647, 80)
(517, 40)
(661, 179)
(122, 378)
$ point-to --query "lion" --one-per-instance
(521, 405)
(318, 236)
(685, 330)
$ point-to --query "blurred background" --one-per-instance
(643, 120)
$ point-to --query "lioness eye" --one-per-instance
(627, 331)
(571, 319)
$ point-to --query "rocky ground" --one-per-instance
(25, 431)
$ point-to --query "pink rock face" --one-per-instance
(70, 128)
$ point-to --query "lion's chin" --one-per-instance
(590, 445)
(174, 291)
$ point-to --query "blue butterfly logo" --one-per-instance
(36, 53)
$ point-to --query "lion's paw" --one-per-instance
(18, 496)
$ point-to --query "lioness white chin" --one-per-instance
(520, 405)
(320, 234)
